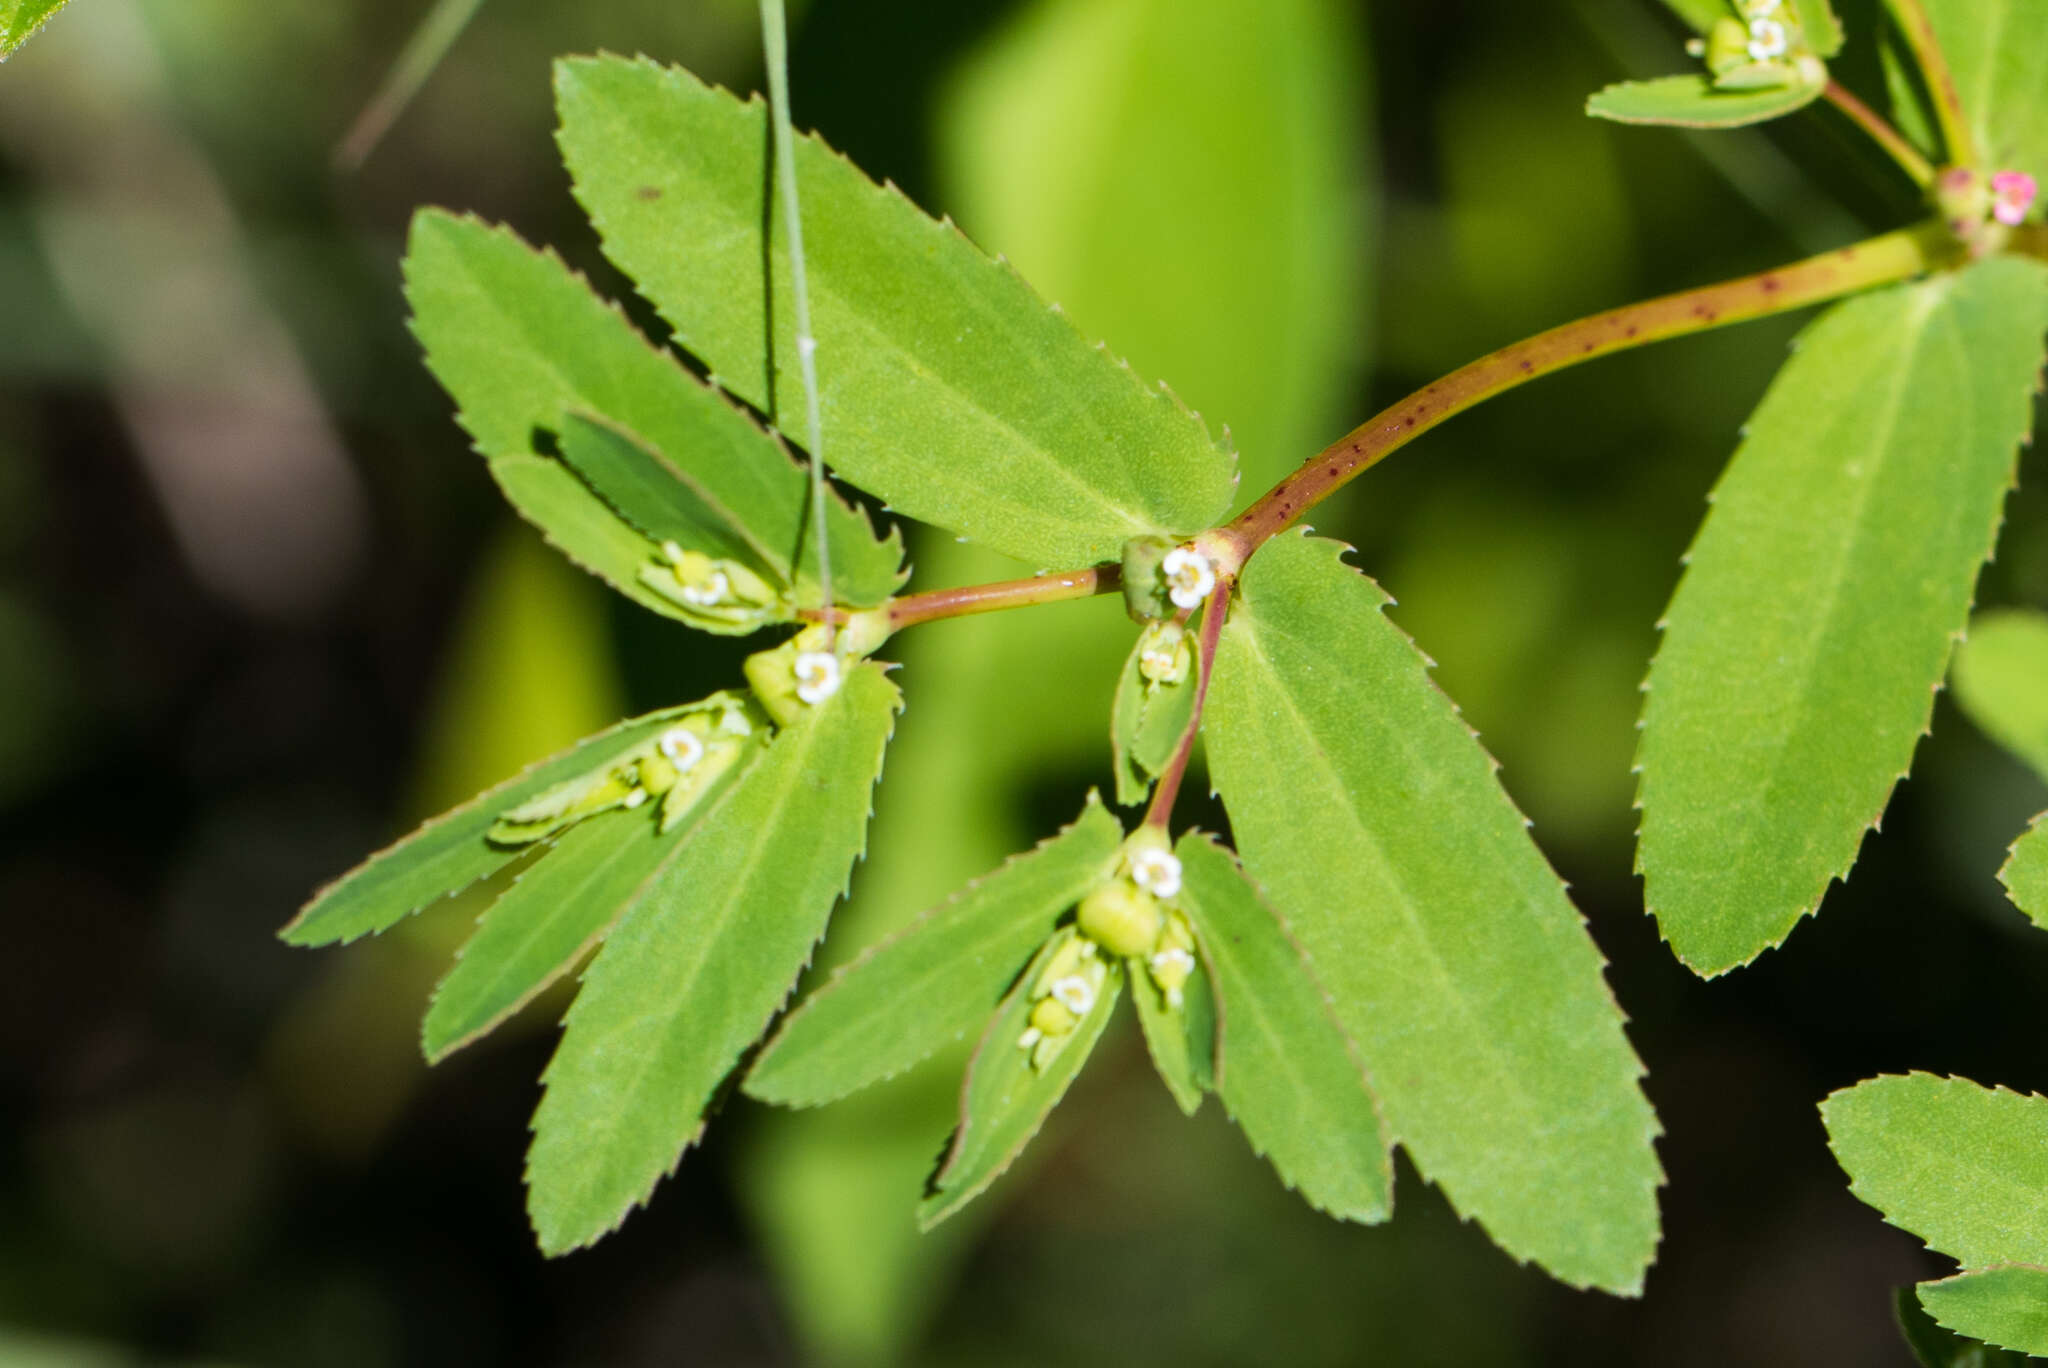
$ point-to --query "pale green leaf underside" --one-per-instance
(21, 18)
(691, 974)
(1823, 29)
(936, 979)
(1963, 1167)
(1997, 53)
(521, 342)
(553, 914)
(1691, 101)
(2001, 681)
(1820, 600)
(450, 853)
(1183, 1042)
(2006, 1305)
(948, 388)
(2025, 874)
(1004, 1100)
(1372, 819)
(1291, 1080)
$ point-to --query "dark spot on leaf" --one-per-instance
(648, 192)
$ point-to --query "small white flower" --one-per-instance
(1189, 576)
(636, 798)
(1032, 1035)
(1156, 871)
(682, 748)
(1172, 959)
(817, 676)
(1766, 40)
(711, 593)
(1075, 993)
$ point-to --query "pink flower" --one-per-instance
(2012, 194)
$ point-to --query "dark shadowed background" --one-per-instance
(260, 609)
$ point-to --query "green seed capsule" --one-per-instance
(1121, 917)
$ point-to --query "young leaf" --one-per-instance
(659, 500)
(19, 19)
(521, 342)
(1369, 814)
(2025, 875)
(693, 971)
(550, 917)
(948, 388)
(1005, 1098)
(1692, 101)
(1150, 715)
(937, 978)
(1185, 1042)
(1963, 1167)
(1997, 53)
(1999, 679)
(450, 853)
(1292, 1079)
(1937, 1347)
(1820, 600)
(2005, 1305)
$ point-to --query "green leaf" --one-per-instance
(553, 914)
(1368, 813)
(1820, 600)
(449, 853)
(698, 965)
(19, 19)
(1291, 1078)
(1997, 53)
(1004, 1100)
(521, 342)
(948, 388)
(2006, 1306)
(1185, 1041)
(580, 525)
(1998, 677)
(1692, 101)
(1963, 1167)
(1146, 725)
(1937, 1347)
(937, 978)
(659, 500)
(2025, 874)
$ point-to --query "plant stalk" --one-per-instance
(1159, 813)
(1877, 261)
(1883, 134)
(935, 604)
(1959, 143)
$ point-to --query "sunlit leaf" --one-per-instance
(1821, 599)
(2025, 875)
(553, 914)
(1005, 1099)
(691, 974)
(1291, 1079)
(450, 853)
(21, 18)
(948, 387)
(1997, 53)
(1370, 816)
(521, 342)
(939, 977)
(1963, 1167)
(2001, 680)
(1692, 101)
(2005, 1305)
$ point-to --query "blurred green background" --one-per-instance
(259, 610)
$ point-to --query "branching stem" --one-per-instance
(1160, 812)
(1883, 134)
